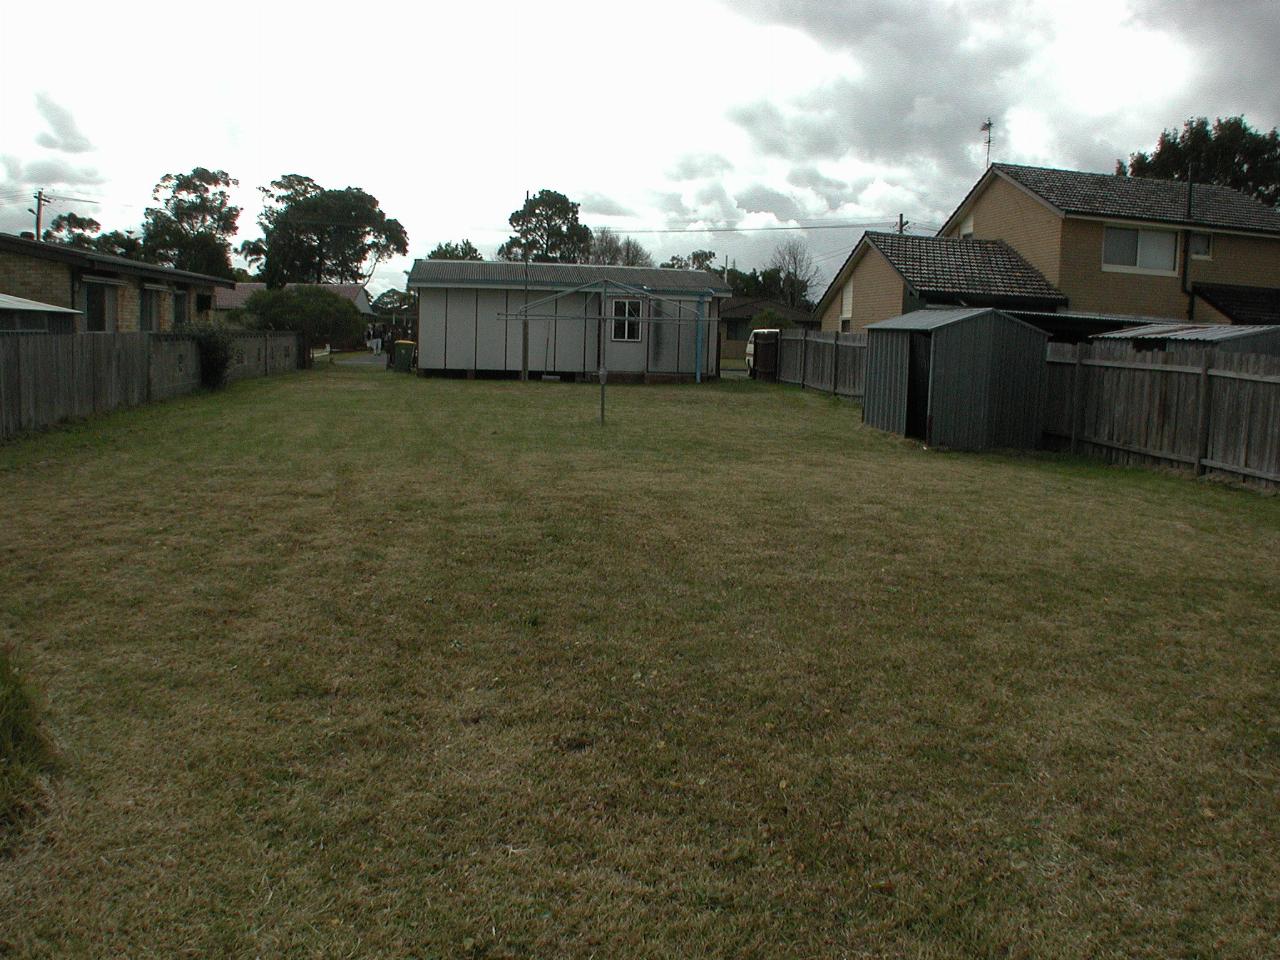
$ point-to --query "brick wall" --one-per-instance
(42, 280)
(1252, 261)
(878, 291)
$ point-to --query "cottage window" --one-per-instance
(1201, 246)
(149, 310)
(1146, 251)
(179, 308)
(626, 320)
(98, 302)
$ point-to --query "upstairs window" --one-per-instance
(1201, 246)
(1149, 251)
(626, 320)
(846, 299)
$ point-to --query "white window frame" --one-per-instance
(1146, 271)
(628, 320)
(846, 299)
(1208, 236)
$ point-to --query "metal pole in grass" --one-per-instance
(603, 371)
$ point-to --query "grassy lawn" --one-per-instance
(347, 663)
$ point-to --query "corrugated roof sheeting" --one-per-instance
(561, 276)
(9, 302)
(1227, 338)
(930, 319)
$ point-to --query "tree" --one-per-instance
(73, 230)
(320, 315)
(697, 260)
(799, 273)
(314, 235)
(768, 319)
(193, 226)
(547, 231)
(765, 284)
(1230, 153)
(119, 243)
(465, 250)
(608, 248)
(393, 303)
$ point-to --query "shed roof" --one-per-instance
(240, 294)
(1138, 198)
(103, 261)
(560, 276)
(1242, 304)
(934, 317)
(8, 302)
(1190, 332)
(964, 266)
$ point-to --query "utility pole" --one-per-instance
(39, 212)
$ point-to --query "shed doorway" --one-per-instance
(918, 387)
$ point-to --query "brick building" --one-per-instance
(112, 294)
(1102, 244)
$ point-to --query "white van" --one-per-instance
(751, 349)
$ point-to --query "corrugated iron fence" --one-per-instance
(1187, 407)
(46, 378)
(830, 362)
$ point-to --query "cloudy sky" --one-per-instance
(663, 116)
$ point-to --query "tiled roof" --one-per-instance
(1242, 304)
(92, 260)
(745, 308)
(238, 297)
(964, 267)
(506, 274)
(1135, 198)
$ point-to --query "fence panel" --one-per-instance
(851, 365)
(820, 361)
(791, 356)
(1186, 407)
(46, 378)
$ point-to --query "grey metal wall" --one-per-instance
(463, 329)
(885, 403)
(987, 384)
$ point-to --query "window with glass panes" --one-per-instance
(626, 320)
(1155, 250)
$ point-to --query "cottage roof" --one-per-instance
(1078, 193)
(92, 260)
(745, 308)
(240, 294)
(505, 274)
(946, 265)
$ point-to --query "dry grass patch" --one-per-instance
(349, 663)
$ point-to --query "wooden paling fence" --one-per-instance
(46, 378)
(829, 362)
(1189, 407)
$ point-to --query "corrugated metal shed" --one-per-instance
(967, 378)
(8, 302)
(561, 276)
(1226, 338)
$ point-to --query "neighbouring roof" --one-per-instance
(1192, 332)
(1137, 198)
(509, 275)
(745, 308)
(91, 260)
(1242, 304)
(8, 302)
(964, 267)
(239, 295)
(931, 318)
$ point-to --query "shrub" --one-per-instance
(768, 319)
(320, 315)
(24, 751)
(215, 355)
